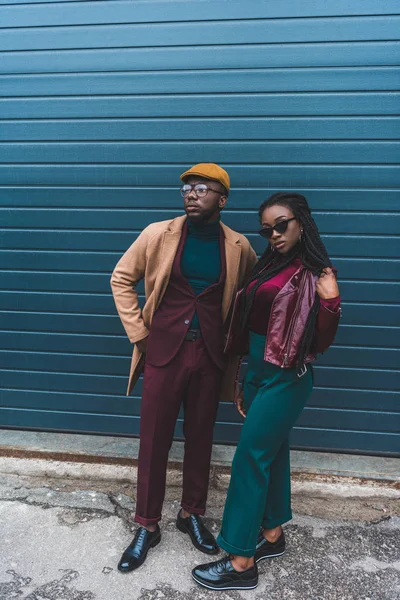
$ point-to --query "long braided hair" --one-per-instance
(310, 250)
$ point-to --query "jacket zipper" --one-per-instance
(269, 325)
(292, 323)
(271, 311)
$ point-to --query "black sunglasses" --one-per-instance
(280, 227)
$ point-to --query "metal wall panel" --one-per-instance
(104, 104)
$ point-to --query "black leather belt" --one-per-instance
(192, 335)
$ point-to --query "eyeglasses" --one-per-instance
(280, 227)
(200, 189)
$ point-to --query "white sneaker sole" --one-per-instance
(269, 556)
(209, 587)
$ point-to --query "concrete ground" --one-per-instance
(64, 525)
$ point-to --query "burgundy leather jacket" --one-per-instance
(288, 317)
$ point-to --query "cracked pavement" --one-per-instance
(61, 539)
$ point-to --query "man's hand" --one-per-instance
(327, 286)
(239, 401)
(142, 345)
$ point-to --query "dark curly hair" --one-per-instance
(310, 250)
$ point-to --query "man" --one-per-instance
(192, 267)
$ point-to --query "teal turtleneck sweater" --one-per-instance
(201, 258)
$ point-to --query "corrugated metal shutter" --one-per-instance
(104, 103)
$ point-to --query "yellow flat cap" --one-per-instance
(209, 171)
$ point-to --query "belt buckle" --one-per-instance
(302, 372)
(193, 335)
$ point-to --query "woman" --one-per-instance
(288, 311)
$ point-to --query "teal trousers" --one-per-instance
(259, 490)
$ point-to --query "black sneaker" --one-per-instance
(266, 549)
(220, 575)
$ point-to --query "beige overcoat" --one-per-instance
(151, 258)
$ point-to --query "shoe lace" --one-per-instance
(140, 534)
(198, 526)
(138, 540)
(220, 565)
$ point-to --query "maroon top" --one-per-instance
(266, 293)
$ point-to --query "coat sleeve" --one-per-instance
(129, 270)
(237, 341)
(251, 261)
(327, 323)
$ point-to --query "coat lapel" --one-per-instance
(169, 247)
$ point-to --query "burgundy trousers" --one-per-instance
(193, 380)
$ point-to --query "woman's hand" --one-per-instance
(239, 401)
(327, 286)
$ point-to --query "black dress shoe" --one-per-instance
(202, 539)
(266, 549)
(221, 575)
(136, 552)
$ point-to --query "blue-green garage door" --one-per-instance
(103, 104)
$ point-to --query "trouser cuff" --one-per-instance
(272, 523)
(193, 511)
(231, 549)
(144, 521)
